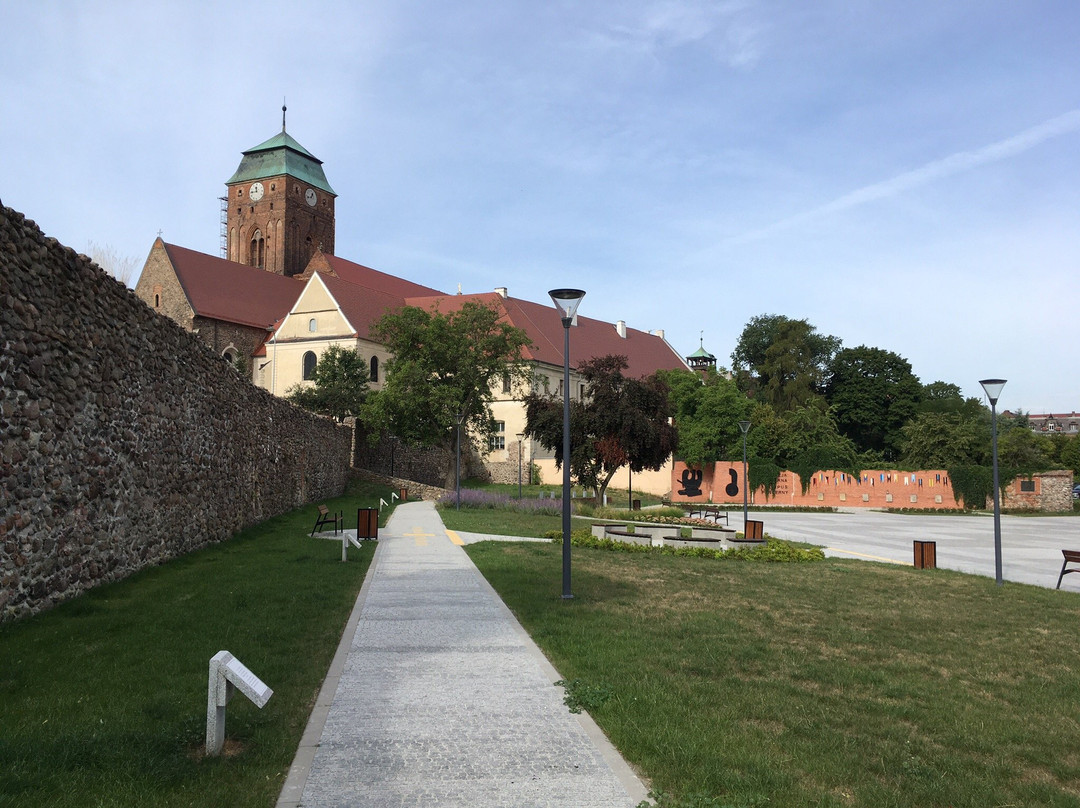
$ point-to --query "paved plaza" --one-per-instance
(1030, 545)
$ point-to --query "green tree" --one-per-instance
(1021, 449)
(873, 394)
(621, 422)
(942, 440)
(443, 365)
(1069, 456)
(340, 385)
(782, 361)
(707, 412)
(943, 397)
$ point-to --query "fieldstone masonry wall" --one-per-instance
(124, 441)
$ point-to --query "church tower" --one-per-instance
(281, 208)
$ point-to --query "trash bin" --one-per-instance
(925, 555)
(403, 494)
(367, 523)
(636, 505)
(755, 530)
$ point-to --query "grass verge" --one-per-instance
(840, 683)
(103, 699)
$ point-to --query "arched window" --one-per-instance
(312, 325)
(374, 369)
(257, 257)
(309, 365)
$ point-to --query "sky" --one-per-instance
(903, 174)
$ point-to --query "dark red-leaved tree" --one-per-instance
(621, 422)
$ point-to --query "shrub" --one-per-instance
(773, 550)
(481, 500)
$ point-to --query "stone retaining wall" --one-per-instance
(124, 441)
(417, 490)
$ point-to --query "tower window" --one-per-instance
(312, 325)
(309, 365)
(257, 256)
(374, 374)
(157, 301)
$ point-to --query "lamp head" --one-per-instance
(993, 388)
(566, 301)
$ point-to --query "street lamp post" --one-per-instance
(993, 392)
(745, 427)
(567, 302)
(520, 449)
(460, 417)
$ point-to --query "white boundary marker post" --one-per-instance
(346, 540)
(227, 673)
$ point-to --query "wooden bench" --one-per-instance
(708, 512)
(327, 518)
(1071, 556)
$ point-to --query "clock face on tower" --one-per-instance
(255, 193)
(310, 197)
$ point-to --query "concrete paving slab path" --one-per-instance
(438, 697)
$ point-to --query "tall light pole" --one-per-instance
(993, 392)
(520, 449)
(460, 417)
(567, 302)
(745, 427)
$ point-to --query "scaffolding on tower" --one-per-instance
(224, 230)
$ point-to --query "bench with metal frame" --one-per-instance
(327, 518)
(1071, 556)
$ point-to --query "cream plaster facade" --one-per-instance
(314, 324)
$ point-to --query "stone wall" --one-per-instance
(428, 465)
(124, 441)
(1048, 491)
(416, 491)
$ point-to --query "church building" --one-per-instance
(279, 298)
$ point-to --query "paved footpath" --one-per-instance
(437, 697)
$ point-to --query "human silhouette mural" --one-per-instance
(691, 482)
(732, 488)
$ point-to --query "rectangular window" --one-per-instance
(581, 391)
(506, 384)
(498, 440)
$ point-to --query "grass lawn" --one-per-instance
(103, 699)
(836, 683)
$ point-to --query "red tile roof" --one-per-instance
(369, 278)
(235, 293)
(645, 353)
(223, 290)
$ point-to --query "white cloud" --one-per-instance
(926, 174)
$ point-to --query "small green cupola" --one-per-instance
(701, 360)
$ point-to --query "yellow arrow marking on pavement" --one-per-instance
(455, 538)
(419, 536)
(871, 557)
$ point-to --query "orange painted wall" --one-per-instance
(722, 483)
